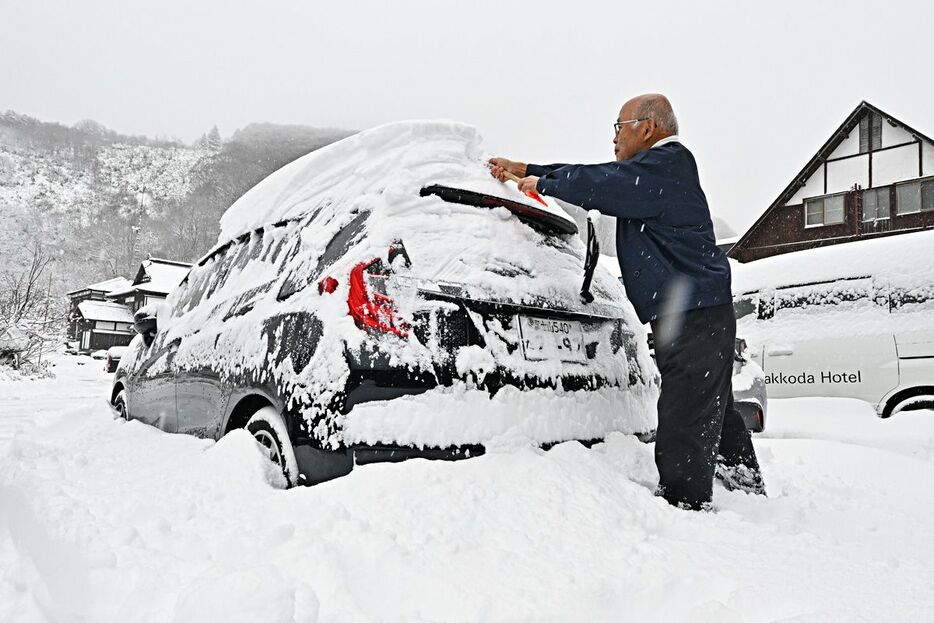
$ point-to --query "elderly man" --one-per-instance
(679, 281)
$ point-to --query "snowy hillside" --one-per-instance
(104, 201)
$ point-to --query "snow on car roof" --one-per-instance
(902, 259)
(381, 172)
(105, 311)
(395, 160)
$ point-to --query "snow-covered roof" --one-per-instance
(156, 276)
(161, 275)
(110, 285)
(902, 259)
(105, 311)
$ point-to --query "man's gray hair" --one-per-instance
(659, 109)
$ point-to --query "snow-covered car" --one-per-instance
(112, 361)
(749, 391)
(854, 320)
(750, 396)
(385, 298)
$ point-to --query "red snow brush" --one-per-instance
(534, 195)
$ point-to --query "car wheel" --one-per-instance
(270, 432)
(120, 405)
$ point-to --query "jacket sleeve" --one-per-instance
(633, 188)
(539, 170)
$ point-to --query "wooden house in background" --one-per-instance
(873, 177)
(154, 280)
(101, 314)
(93, 292)
(102, 324)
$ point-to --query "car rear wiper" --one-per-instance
(590, 262)
(530, 215)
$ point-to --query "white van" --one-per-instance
(855, 337)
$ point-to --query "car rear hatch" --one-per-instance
(498, 297)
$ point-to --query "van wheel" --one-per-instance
(270, 432)
(908, 403)
(120, 405)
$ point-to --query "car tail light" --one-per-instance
(370, 306)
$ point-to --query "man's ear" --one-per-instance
(648, 129)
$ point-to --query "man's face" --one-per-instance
(631, 136)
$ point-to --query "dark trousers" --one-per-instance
(696, 418)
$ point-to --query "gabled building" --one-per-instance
(93, 292)
(154, 280)
(102, 324)
(873, 177)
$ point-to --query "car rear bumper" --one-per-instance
(395, 409)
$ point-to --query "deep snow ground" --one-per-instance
(102, 520)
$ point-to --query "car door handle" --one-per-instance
(780, 352)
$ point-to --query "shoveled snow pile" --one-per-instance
(107, 521)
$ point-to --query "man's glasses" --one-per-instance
(619, 124)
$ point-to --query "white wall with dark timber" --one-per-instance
(927, 163)
(849, 146)
(896, 157)
(842, 174)
(893, 135)
(894, 165)
(814, 187)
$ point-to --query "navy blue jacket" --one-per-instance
(665, 243)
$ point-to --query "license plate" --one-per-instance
(548, 339)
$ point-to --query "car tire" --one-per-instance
(270, 432)
(120, 405)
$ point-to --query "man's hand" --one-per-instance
(528, 184)
(499, 167)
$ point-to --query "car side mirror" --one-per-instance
(144, 323)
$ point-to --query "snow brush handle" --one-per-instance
(534, 195)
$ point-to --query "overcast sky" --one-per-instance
(758, 87)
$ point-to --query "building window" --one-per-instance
(876, 204)
(914, 197)
(824, 211)
(870, 132)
